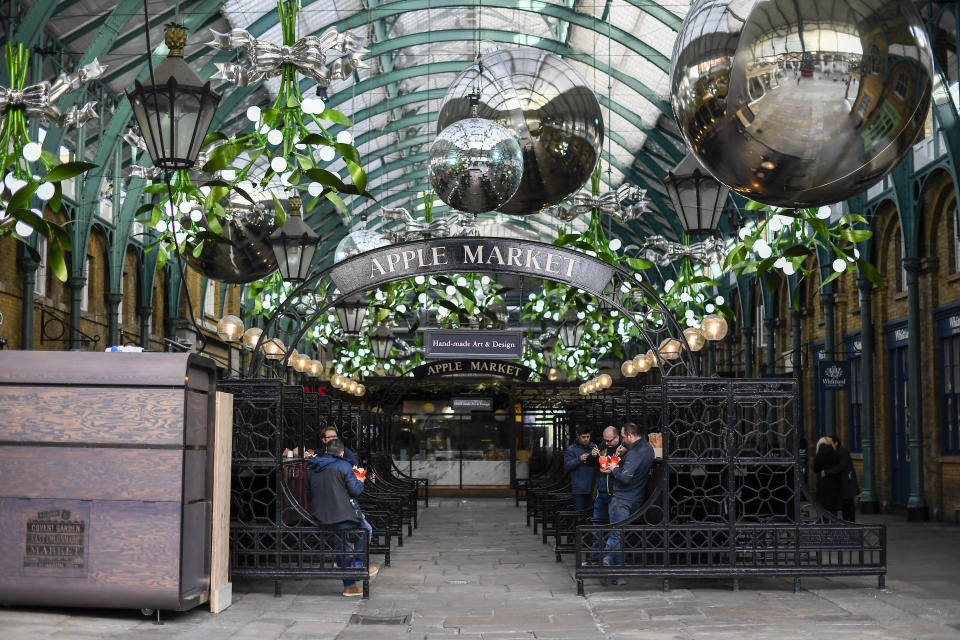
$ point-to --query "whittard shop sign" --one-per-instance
(450, 255)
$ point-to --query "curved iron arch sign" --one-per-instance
(457, 255)
(619, 289)
(472, 367)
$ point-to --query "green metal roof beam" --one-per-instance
(33, 23)
(116, 72)
(101, 44)
(71, 36)
(539, 7)
(509, 37)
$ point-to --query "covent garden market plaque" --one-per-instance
(452, 255)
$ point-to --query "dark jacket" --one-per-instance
(604, 483)
(630, 478)
(581, 473)
(349, 457)
(828, 486)
(333, 486)
(849, 485)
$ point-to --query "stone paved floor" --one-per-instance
(474, 570)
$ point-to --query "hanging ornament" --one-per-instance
(475, 165)
(452, 225)
(261, 59)
(793, 124)
(613, 203)
(662, 252)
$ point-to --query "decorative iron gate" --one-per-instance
(726, 499)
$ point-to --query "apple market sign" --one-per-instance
(452, 255)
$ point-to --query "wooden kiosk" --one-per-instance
(106, 479)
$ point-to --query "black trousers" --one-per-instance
(850, 509)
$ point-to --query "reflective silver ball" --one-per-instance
(357, 242)
(475, 165)
(801, 107)
(246, 256)
(547, 105)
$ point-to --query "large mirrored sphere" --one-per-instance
(357, 242)
(801, 104)
(547, 106)
(247, 256)
(475, 165)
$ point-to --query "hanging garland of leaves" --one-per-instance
(784, 239)
(31, 175)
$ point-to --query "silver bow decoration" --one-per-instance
(612, 203)
(135, 140)
(662, 252)
(455, 224)
(264, 59)
(39, 100)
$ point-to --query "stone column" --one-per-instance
(868, 499)
(796, 360)
(747, 336)
(829, 348)
(146, 315)
(76, 284)
(29, 266)
(916, 505)
(113, 300)
(770, 326)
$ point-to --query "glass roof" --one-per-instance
(620, 48)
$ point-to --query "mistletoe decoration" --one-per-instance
(785, 239)
(289, 142)
(30, 175)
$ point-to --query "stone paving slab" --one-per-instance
(516, 590)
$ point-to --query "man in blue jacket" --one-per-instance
(576, 462)
(333, 489)
(629, 483)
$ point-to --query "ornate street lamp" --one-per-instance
(714, 327)
(697, 197)
(230, 328)
(351, 312)
(294, 244)
(571, 331)
(549, 357)
(175, 109)
(381, 341)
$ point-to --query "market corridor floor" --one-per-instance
(474, 570)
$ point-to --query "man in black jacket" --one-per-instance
(604, 486)
(849, 485)
(333, 489)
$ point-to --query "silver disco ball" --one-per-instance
(547, 106)
(357, 242)
(475, 165)
(801, 104)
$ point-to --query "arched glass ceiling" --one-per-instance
(621, 48)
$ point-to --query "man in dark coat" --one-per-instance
(576, 462)
(333, 489)
(331, 434)
(629, 483)
(849, 485)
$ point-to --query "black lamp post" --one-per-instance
(351, 312)
(697, 197)
(175, 113)
(294, 244)
(571, 331)
(381, 341)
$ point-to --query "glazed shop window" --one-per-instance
(950, 350)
